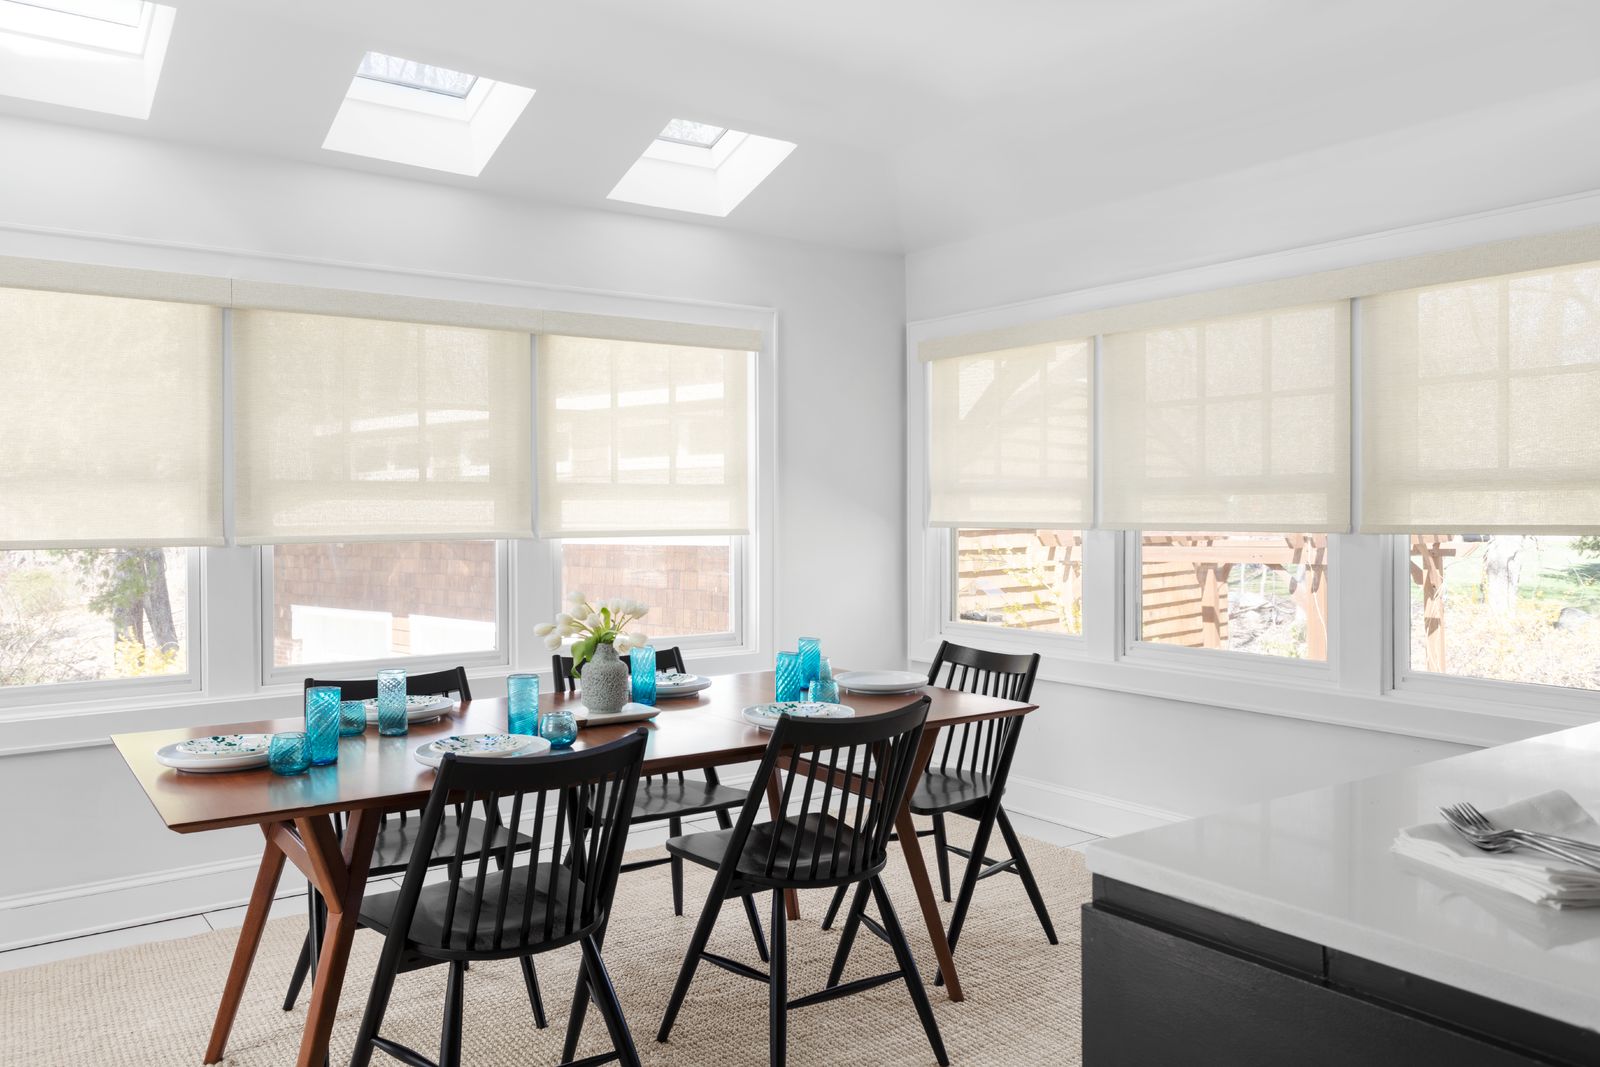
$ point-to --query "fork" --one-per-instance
(1481, 823)
(1505, 841)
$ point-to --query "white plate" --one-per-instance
(688, 683)
(766, 716)
(881, 682)
(418, 709)
(432, 753)
(172, 756)
(630, 712)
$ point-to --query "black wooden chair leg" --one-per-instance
(754, 916)
(676, 827)
(605, 999)
(377, 1002)
(778, 984)
(969, 882)
(1028, 883)
(530, 978)
(450, 1032)
(847, 937)
(908, 970)
(833, 907)
(697, 945)
(302, 967)
(941, 848)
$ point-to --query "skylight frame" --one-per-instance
(84, 9)
(706, 181)
(414, 84)
(69, 59)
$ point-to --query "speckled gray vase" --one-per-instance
(605, 682)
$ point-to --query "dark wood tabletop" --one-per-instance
(702, 730)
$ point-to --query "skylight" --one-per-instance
(99, 55)
(414, 75)
(406, 111)
(697, 134)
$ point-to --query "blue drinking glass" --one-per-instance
(288, 755)
(522, 704)
(352, 718)
(644, 675)
(392, 703)
(558, 727)
(810, 658)
(825, 690)
(322, 724)
(790, 678)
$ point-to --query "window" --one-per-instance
(1509, 607)
(1022, 579)
(1265, 594)
(93, 614)
(100, 55)
(413, 75)
(695, 134)
(708, 170)
(371, 601)
(121, 12)
(688, 582)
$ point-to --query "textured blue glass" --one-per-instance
(558, 727)
(810, 658)
(352, 718)
(392, 702)
(790, 680)
(644, 675)
(287, 754)
(522, 704)
(322, 724)
(825, 691)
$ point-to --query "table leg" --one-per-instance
(343, 870)
(791, 898)
(244, 953)
(911, 849)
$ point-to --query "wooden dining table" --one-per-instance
(376, 775)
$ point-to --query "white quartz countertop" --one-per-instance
(1317, 866)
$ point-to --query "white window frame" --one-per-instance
(105, 689)
(273, 675)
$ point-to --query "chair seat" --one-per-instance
(427, 933)
(813, 839)
(944, 791)
(396, 840)
(667, 798)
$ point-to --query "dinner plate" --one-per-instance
(418, 708)
(631, 712)
(766, 716)
(432, 753)
(675, 684)
(881, 682)
(216, 753)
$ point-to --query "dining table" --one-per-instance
(326, 820)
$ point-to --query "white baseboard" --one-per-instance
(1095, 812)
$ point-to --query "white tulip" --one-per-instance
(622, 643)
(634, 608)
(640, 640)
(544, 629)
(575, 597)
(553, 641)
(594, 622)
(644, 609)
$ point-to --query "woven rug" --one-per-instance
(152, 1005)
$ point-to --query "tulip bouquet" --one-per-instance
(590, 625)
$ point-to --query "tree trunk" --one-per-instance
(1502, 572)
(127, 617)
(157, 603)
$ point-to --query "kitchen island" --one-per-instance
(1286, 932)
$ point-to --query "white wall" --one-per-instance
(840, 397)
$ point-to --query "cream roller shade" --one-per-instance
(1240, 423)
(354, 429)
(1481, 405)
(642, 439)
(113, 421)
(1010, 438)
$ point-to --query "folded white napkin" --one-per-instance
(1533, 876)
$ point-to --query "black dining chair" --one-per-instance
(673, 796)
(398, 834)
(554, 893)
(851, 777)
(967, 775)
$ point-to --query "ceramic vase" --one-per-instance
(604, 683)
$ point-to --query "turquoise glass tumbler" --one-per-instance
(644, 675)
(322, 724)
(790, 678)
(559, 728)
(522, 704)
(352, 718)
(810, 658)
(392, 702)
(287, 754)
(824, 690)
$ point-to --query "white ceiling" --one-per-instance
(919, 122)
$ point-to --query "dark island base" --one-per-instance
(1169, 983)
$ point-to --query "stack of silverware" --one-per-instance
(1545, 849)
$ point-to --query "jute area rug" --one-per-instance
(152, 1005)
